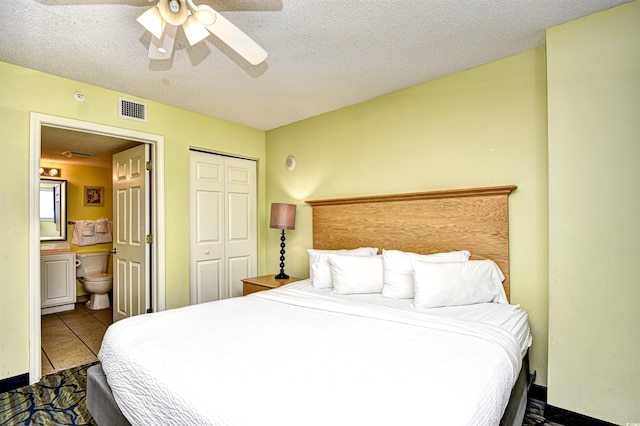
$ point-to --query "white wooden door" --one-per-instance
(241, 236)
(130, 249)
(223, 207)
(206, 227)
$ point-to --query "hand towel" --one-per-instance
(105, 237)
(88, 227)
(102, 225)
(78, 238)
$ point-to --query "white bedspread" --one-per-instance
(290, 357)
(510, 318)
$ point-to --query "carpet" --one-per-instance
(60, 399)
(535, 414)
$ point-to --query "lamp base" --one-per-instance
(282, 276)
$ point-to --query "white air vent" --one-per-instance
(70, 154)
(132, 110)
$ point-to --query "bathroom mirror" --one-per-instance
(53, 210)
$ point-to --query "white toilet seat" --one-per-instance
(98, 278)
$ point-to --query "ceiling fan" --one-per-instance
(164, 18)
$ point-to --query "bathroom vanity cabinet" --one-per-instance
(57, 282)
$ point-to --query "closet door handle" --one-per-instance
(114, 251)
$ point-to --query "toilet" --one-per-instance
(91, 270)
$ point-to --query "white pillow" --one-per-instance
(457, 283)
(398, 272)
(319, 269)
(356, 274)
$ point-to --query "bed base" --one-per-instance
(517, 406)
(105, 411)
(100, 401)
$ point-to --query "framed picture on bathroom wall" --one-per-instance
(94, 196)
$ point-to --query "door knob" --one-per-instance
(114, 251)
(206, 251)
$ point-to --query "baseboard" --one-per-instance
(538, 392)
(12, 383)
(566, 417)
(560, 415)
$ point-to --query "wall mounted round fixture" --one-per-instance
(290, 162)
(50, 172)
(79, 96)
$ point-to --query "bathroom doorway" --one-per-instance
(72, 333)
(42, 124)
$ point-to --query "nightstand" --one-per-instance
(265, 282)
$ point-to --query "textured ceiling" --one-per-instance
(323, 55)
(55, 141)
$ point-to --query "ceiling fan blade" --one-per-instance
(162, 48)
(234, 37)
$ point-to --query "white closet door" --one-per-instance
(223, 225)
(241, 239)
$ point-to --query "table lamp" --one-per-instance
(283, 216)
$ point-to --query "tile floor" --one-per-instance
(73, 337)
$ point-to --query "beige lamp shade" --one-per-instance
(283, 216)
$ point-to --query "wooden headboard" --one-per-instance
(474, 219)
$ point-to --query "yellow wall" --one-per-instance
(23, 91)
(77, 177)
(594, 244)
(482, 127)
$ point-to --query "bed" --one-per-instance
(355, 350)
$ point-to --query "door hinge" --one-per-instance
(149, 238)
(149, 165)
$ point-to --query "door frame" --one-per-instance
(37, 120)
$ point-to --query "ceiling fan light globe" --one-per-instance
(152, 21)
(194, 30)
(174, 12)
